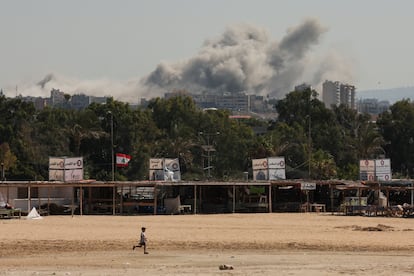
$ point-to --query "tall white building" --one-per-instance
(336, 93)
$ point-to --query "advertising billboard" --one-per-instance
(383, 169)
(65, 168)
(375, 170)
(367, 170)
(271, 168)
(167, 169)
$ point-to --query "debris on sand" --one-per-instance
(225, 267)
(379, 227)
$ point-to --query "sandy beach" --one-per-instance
(265, 244)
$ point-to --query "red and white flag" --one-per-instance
(122, 159)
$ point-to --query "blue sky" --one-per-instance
(113, 43)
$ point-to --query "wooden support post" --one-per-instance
(81, 200)
(48, 200)
(388, 197)
(29, 199)
(121, 199)
(270, 198)
(155, 199)
(73, 201)
(113, 199)
(195, 199)
(200, 198)
(89, 199)
(234, 198)
(331, 192)
(38, 199)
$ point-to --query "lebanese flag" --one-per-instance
(122, 159)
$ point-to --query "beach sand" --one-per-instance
(264, 244)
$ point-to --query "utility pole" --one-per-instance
(208, 148)
(309, 146)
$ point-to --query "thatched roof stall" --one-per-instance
(229, 196)
(286, 195)
(120, 197)
(110, 196)
(308, 195)
(398, 191)
(376, 197)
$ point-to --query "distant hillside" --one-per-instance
(392, 94)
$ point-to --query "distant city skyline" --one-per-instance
(133, 49)
(392, 95)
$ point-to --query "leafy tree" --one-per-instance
(326, 143)
(323, 166)
(308, 125)
(7, 158)
(397, 129)
(368, 141)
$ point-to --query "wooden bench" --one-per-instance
(10, 213)
(185, 208)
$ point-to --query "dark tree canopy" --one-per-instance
(316, 142)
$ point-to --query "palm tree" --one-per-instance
(368, 141)
(77, 134)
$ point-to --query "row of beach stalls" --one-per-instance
(393, 198)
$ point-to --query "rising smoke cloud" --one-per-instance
(124, 91)
(244, 58)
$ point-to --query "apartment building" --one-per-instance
(335, 93)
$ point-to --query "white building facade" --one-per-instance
(337, 93)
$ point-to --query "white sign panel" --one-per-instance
(156, 164)
(172, 164)
(307, 186)
(383, 166)
(56, 163)
(260, 174)
(383, 176)
(367, 170)
(74, 175)
(276, 162)
(277, 174)
(156, 175)
(259, 164)
(56, 175)
(367, 176)
(367, 165)
(177, 176)
(73, 163)
(383, 169)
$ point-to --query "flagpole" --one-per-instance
(112, 146)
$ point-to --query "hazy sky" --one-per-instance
(113, 45)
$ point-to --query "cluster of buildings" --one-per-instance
(235, 102)
(334, 93)
(60, 99)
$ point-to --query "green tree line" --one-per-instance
(317, 142)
